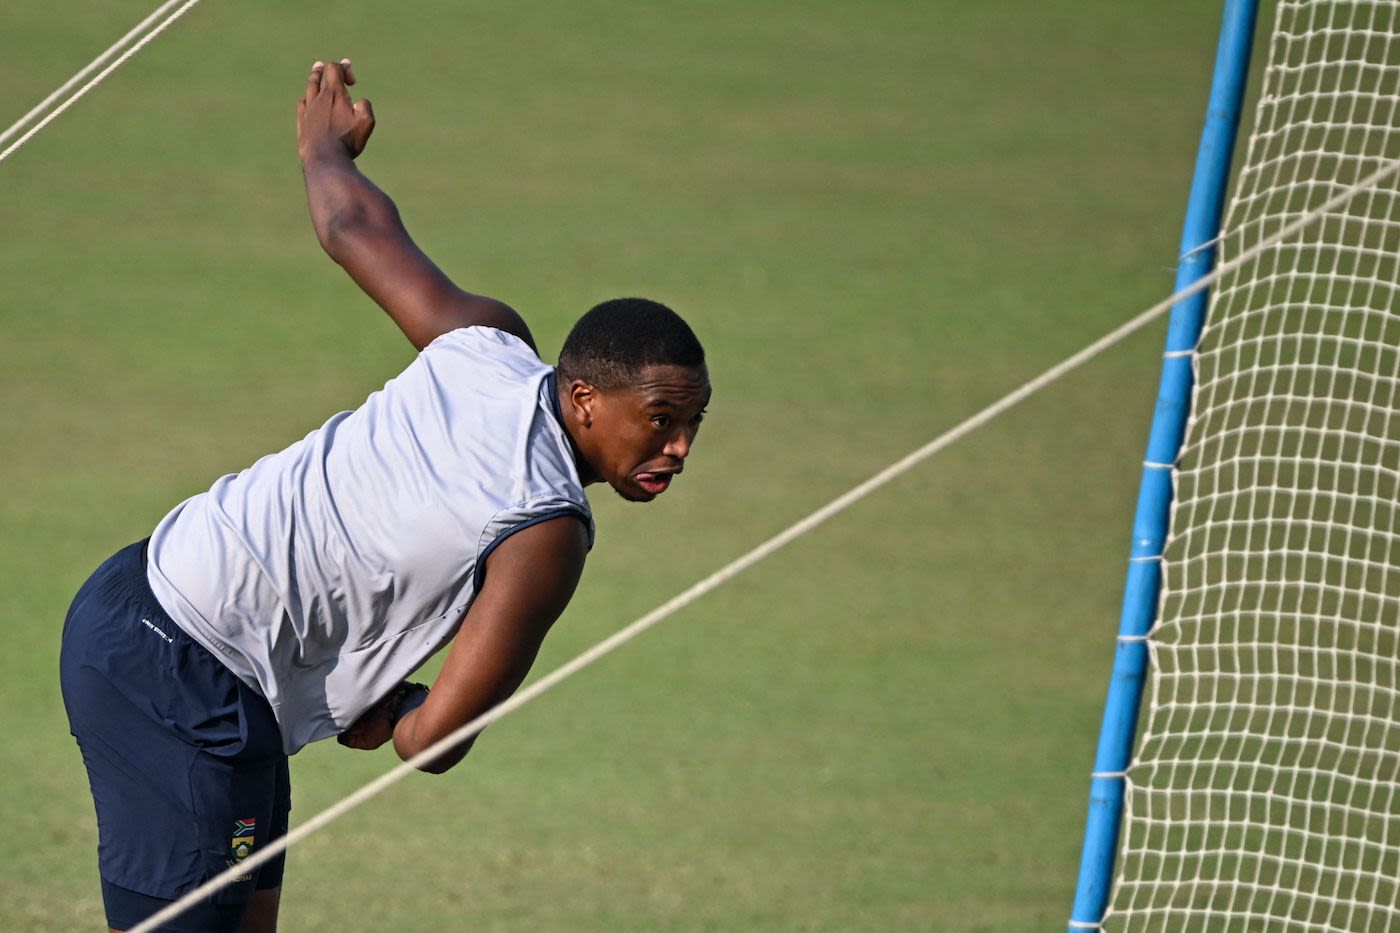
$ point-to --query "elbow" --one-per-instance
(351, 225)
(437, 766)
(339, 230)
(441, 763)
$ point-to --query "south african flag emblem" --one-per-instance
(242, 843)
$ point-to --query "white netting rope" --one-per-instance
(1263, 792)
(180, 8)
(319, 821)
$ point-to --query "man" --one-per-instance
(289, 602)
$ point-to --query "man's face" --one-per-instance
(640, 435)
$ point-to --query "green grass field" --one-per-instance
(879, 218)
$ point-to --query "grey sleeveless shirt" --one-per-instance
(326, 573)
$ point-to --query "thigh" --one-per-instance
(187, 774)
(165, 826)
(169, 815)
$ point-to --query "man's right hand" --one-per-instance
(327, 120)
(360, 228)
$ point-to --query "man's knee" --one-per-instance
(261, 916)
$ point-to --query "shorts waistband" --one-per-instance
(129, 565)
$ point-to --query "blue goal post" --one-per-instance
(1198, 250)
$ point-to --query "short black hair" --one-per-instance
(616, 340)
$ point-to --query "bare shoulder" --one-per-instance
(546, 556)
(463, 309)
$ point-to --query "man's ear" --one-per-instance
(583, 397)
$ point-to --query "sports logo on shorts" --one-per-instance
(241, 845)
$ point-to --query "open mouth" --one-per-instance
(654, 483)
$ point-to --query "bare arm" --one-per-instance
(360, 228)
(530, 578)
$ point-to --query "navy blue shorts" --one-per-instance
(185, 761)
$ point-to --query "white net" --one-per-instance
(1263, 794)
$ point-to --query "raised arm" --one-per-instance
(530, 578)
(359, 226)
